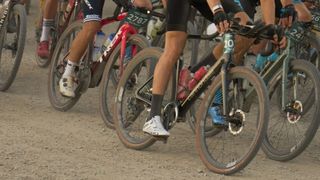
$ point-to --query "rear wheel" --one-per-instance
(12, 44)
(112, 75)
(57, 68)
(130, 112)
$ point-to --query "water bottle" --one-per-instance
(157, 27)
(197, 77)
(150, 28)
(107, 42)
(99, 39)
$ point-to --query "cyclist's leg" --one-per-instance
(230, 7)
(211, 58)
(175, 40)
(92, 17)
(49, 13)
(304, 14)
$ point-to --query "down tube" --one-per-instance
(200, 88)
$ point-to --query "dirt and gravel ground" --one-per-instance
(37, 142)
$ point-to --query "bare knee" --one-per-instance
(174, 45)
(303, 13)
(91, 28)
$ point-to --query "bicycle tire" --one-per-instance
(108, 76)
(262, 123)
(123, 134)
(273, 152)
(315, 59)
(55, 60)
(19, 11)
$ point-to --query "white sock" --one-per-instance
(46, 27)
(70, 69)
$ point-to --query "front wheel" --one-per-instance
(291, 130)
(112, 74)
(239, 140)
(12, 45)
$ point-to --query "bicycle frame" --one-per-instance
(120, 37)
(221, 65)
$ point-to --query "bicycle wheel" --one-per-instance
(12, 45)
(112, 75)
(130, 112)
(313, 55)
(291, 130)
(239, 141)
(59, 102)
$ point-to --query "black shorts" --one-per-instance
(249, 6)
(92, 10)
(178, 12)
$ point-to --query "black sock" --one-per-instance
(208, 60)
(156, 105)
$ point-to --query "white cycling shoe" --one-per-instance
(154, 127)
(67, 86)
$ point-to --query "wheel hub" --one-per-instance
(236, 121)
(294, 111)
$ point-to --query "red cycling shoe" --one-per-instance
(43, 49)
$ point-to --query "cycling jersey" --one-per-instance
(92, 10)
(178, 12)
(249, 6)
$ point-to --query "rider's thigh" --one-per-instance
(303, 12)
(91, 27)
(174, 44)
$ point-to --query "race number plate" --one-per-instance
(296, 33)
(137, 18)
(316, 21)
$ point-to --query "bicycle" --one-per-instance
(117, 61)
(134, 93)
(90, 71)
(297, 115)
(13, 29)
(67, 12)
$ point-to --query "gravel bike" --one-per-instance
(13, 29)
(90, 71)
(117, 61)
(293, 85)
(226, 149)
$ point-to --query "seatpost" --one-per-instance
(228, 40)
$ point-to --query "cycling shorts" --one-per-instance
(92, 10)
(250, 7)
(178, 12)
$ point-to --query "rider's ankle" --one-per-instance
(70, 67)
(156, 104)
